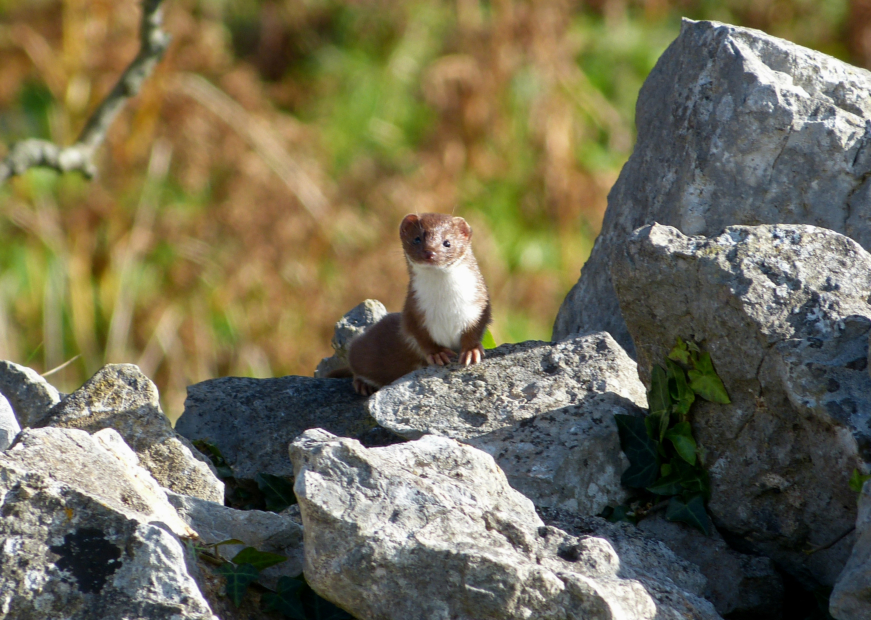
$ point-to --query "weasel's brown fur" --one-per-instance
(447, 308)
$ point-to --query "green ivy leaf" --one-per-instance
(656, 426)
(657, 399)
(691, 512)
(277, 491)
(286, 599)
(667, 485)
(681, 436)
(681, 395)
(618, 514)
(857, 480)
(693, 478)
(238, 579)
(215, 456)
(680, 353)
(488, 341)
(258, 559)
(705, 382)
(639, 449)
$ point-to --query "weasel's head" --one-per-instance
(434, 239)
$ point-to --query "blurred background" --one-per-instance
(252, 193)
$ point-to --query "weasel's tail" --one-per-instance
(340, 373)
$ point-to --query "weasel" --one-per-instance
(447, 307)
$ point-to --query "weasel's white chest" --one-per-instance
(449, 299)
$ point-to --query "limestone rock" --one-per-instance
(119, 396)
(738, 584)
(265, 531)
(784, 313)
(431, 529)
(354, 323)
(734, 127)
(251, 421)
(67, 553)
(9, 427)
(851, 597)
(30, 395)
(101, 466)
(544, 411)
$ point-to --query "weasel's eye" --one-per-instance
(416, 241)
(446, 243)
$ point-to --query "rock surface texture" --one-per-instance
(30, 395)
(9, 427)
(265, 531)
(354, 323)
(88, 534)
(734, 127)
(251, 421)
(544, 411)
(851, 597)
(119, 396)
(784, 313)
(431, 530)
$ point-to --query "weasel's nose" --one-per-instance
(428, 254)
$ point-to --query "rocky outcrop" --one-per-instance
(734, 127)
(88, 534)
(738, 585)
(351, 325)
(431, 529)
(119, 396)
(265, 531)
(784, 313)
(9, 427)
(851, 597)
(251, 421)
(30, 395)
(544, 411)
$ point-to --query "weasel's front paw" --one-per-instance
(362, 388)
(442, 358)
(472, 356)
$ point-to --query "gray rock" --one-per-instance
(544, 411)
(784, 312)
(734, 127)
(265, 531)
(30, 395)
(431, 529)
(738, 584)
(251, 421)
(101, 466)
(354, 323)
(851, 596)
(9, 427)
(67, 553)
(119, 396)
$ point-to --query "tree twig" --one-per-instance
(79, 157)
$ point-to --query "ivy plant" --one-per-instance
(664, 458)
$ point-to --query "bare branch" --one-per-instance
(79, 156)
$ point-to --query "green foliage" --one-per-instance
(705, 382)
(857, 481)
(258, 559)
(285, 599)
(277, 491)
(663, 455)
(691, 511)
(488, 342)
(238, 579)
(223, 468)
(640, 449)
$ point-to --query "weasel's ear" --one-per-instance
(407, 222)
(463, 226)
